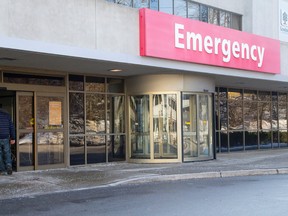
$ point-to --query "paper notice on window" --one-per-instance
(55, 112)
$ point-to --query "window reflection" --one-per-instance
(116, 114)
(180, 8)
(50, 148)
(26, 149)
(165, 126)
(77, 150)
(139, 122)
(96, 149)
(76, 113)
(95, 113)
(166, 6)
(116, 148)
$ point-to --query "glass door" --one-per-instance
(40, 130)
(197, 126)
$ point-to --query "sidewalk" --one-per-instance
(22, 184)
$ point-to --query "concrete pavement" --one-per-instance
(32, 183)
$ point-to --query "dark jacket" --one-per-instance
(7, 130)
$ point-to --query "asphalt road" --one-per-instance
(254, 195)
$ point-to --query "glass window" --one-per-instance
(274, 115)
(96, 149)
(116, 148)
(50, 146)
(251, 140)
(116, 114)
(77, 150)
(283, 139)
(222, 95)
(235, 94)
(95, 113)
(140, 3)
(166, 6)
(264, 96)
(50, 112)
(265, 139)
(282, 115)
(189, 124)
(180, 8)
(204, 13)
(124, 2)
(225, 19)
(95, 84)
(250, 95)
(165, 126)
(115, 85)
(140, 126)
(250, 116)
(33, 79)
(264, 110)
(154, 5)
(76, 82)
(223, 115)
(236, 21)
(193, 11)
(76, 113)
(236, 141)
(235, 115)
(26, 149)
(213, 16)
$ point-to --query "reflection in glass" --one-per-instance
(165, 126)
(166, 6)
(235, 115)
(116, 148)
(139, 123)
(26, 119)
(50, 148)
(250, 95)
(77, 150)
(189, 124)
(235, 94)
(193, 11)
(213, 16)
(180, 8)
(44, 110)
(283, 138)
(264, 96)
(95, 84)
(225, 19)
(251, 140)
(264, 110)
(96, 149)
(95, 113)
(140, 3)
(115, 85)
(26, 149)
(76, 113)
(116, 114)
(275, 139)
(274, 115)
(204, 13)
(265, 139)
(76, 82)
(205, 125)
(236, 141)
(250, 116)
(197, 125)
(33, 79)
(223, 115)
(154, 5)
(224, 141)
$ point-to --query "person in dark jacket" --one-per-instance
(7, 137)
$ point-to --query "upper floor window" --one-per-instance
(189, 9)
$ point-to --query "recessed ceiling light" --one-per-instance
(115, 70)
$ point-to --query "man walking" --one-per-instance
(7, 137)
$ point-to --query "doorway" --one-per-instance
(7, 104)
(40, 130)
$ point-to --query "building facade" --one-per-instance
(143, 81)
